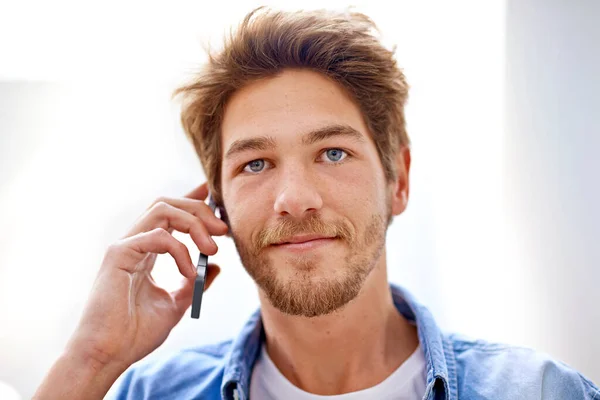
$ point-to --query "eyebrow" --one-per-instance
(312, 137)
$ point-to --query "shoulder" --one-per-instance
(514, 371)
(195, 372)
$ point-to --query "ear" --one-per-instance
(400, 185)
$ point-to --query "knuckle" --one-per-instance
(181, 247)
(198, 226)
(160, 233)
(115, 250)
(161, 199)
(162, 236)
(160, 207)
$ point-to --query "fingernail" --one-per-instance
(212, 241)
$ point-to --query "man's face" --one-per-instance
(300, 164)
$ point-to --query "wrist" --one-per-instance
(92, 359)
(79, 375)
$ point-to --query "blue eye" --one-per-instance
(255, 166)
(335, 154)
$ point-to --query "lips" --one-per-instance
(302, 239)
(303, 244)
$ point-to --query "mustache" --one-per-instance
(310, 225)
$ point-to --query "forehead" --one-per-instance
(288, 105)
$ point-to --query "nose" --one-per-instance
(298, 196)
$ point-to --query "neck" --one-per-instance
(351, 349)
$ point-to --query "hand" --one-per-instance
(128, 315)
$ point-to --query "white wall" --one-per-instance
(553, 168)
(86, 150)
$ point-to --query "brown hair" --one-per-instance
(341, 45)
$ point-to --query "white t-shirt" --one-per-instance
(407, 382)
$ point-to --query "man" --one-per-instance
(299, 124)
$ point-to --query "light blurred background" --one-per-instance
(501, 237)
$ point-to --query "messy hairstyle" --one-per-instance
(341, 45)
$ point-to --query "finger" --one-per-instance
(155, 216)
(183, 296)
(169, 218)
(199, 193)
(201, 210)
(160, 241)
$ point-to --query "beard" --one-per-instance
(307, 291)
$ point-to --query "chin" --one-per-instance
(311, 291)
(313, 264)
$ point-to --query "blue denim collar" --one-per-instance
(438, 351)
(240, 360)
(441, 365)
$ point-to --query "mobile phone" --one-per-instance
(201, 268)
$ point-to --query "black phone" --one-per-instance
(203, 263)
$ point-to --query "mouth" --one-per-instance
(304, 243)
(302, 238)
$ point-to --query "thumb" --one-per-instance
(183, 295)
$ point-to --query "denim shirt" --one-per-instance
(457, 367)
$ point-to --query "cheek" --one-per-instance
(245, 215)
(246, 198)
(357, 190)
